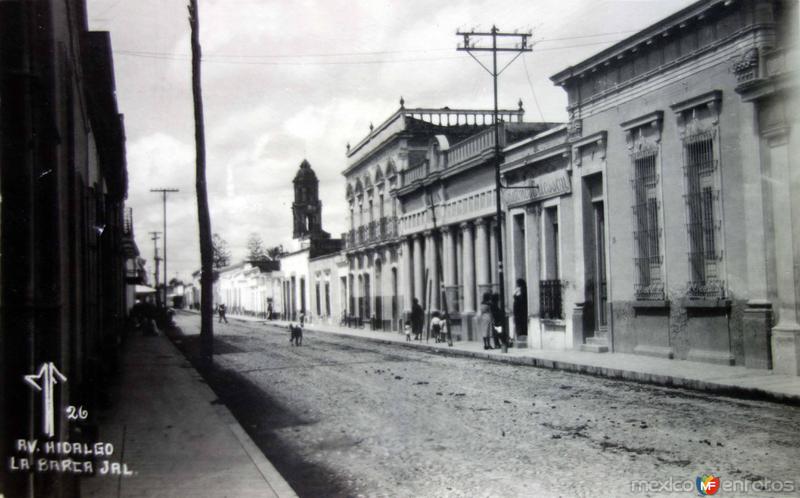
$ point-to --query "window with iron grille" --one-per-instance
(702, 215)
(550, 299)
(649, 284)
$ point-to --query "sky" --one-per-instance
(287, 80)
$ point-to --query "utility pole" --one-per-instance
(154, 238)
(519, 48)
(203, 216)
(164, 192)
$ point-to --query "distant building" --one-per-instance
(310, 241)
(328, 290)
(249, 288)
(134, 265)
(684, 220)
(449, 218)
(542, 206)
(420, 190)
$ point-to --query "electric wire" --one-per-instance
(253, 59)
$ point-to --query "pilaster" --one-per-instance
(470, 262)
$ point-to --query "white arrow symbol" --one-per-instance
(49, 376)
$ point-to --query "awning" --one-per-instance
(144, 289)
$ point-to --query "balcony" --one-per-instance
(127, 226)
(375, 232)
(550, 299)
(473, 146)
(414, 173)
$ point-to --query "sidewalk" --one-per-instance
(722, 379)
(168, 428)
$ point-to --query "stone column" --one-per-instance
(433, 269)
(580, 204)
(407, 277)
(482, 252)
(419, 269)
(492, 251)
(447, 256)
(758, 314)
(533, 259)
(785, 207)
(469, 262)
(459, 261)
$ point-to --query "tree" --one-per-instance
(207, 252)
(255, 248)
(275, 252)
(222, 255)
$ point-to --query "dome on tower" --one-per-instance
(305, 173)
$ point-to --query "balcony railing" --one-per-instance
(127, 226)
(414, 173)
(550, 299)
(388, 228)
(473, 146)
(464, 150)
(375, 232)
(705, 289)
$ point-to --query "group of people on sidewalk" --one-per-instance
(490, 319)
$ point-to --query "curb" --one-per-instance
(272, 477)
(754, 393)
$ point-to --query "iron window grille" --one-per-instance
(550, 299)
(649, 283)
(703, 224)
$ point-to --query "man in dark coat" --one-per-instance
(497, 322)
(417, 319)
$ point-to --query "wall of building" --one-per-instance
(62, 222)
(296, 289)
(688, 88)
(246, 290)
(327, 303)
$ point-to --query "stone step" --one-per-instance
(596, 344)
(598, 340)
(594, 348)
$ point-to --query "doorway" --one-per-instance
(600, 297)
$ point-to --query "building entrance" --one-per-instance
(600, 296)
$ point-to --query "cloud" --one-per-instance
(284, 81)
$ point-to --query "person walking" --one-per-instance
(485, 321)
(417, 319)
(436, 326)
(520, 309)
(222, 310)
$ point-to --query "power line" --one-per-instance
(586, 36)
(271, 63)
(247, 58)
(530, 83)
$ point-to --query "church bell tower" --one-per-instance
(307, 208)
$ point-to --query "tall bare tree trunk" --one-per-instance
(203, 217)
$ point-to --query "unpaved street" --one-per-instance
(342, 417)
